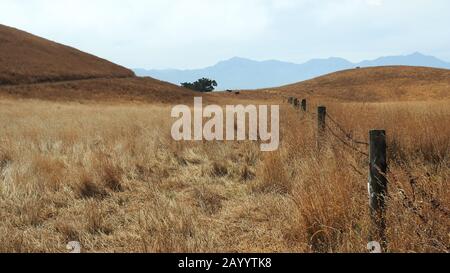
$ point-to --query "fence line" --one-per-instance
(323, 126)
(378, 167)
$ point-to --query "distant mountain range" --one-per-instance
(240, 73)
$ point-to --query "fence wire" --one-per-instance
(409, 204)
(347, 135)
(345, 142)
(433, 201)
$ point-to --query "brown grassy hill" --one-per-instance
(36, 68)
(102, 90)
(392, 83)
(25, 58)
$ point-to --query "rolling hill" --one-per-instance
(386, 83)
(25, 58)
(33, 67)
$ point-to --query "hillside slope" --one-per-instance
(102, 90)
(36, 68)
(389, 83)
(25, 58)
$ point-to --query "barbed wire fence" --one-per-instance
(378, 169)
(334, 129)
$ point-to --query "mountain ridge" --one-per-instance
(243, 73)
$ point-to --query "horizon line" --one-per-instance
(291, 62)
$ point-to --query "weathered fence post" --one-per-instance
(378, 185)
(304, 105)
(321, 119)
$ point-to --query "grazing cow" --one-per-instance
(296, 103)
(304, 105)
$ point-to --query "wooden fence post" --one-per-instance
(290, 100)
(378, 185)
(304, 105)
(321, 119)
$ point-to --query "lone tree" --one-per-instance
(202, 85)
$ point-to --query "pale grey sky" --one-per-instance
(198, 33)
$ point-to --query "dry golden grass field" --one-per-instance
(110, 176)
(86, 155)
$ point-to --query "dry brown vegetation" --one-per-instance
(374, 84)
(111, 177)
(93, 161)
(129, 90)
(25, 58)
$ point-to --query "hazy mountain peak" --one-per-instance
(243, 73)
(414, 59)
(416, 54)
(328, 60)
(236, 60)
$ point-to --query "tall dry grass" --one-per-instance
(331, 186)
(110, 177)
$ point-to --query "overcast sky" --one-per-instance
(197, 33)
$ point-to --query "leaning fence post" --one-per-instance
(321, 119)
(304, 105)
(378, 185)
